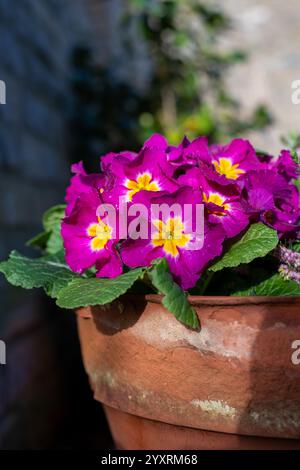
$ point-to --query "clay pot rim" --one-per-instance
(198, 300)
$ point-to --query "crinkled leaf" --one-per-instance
(274, 286)
(49, 272)
(295, 246)
(55, 242)
(96, 291)
(52, 217)
(50, 241)
(257, 242)
(174, 299)
(39, 241)
(297, 183)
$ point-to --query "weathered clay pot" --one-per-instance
(231, 385)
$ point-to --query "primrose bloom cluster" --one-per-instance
(231, 183)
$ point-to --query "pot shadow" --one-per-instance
(268, 388)
(118, 315)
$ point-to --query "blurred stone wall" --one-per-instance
(269, 31)
(36, 38)
(35, 42)
(117, 45)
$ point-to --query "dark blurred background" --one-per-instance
(84, 77)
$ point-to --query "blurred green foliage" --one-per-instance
(292, 141)
(187, 93)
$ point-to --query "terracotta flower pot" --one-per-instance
(231, 385)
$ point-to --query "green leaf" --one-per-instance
(297, 183)
(295, 157)
(257, 242)
(55, 241)
(274, 286)
(49, 272)
(39, 241)
(53, 216)
(95, 291)
(52, 223)
(50, 241)
(295, 246)
(174, 299)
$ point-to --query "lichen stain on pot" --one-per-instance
(215, 408)
(280, 419)
(107, 383)
(106, 378)
(120, 395)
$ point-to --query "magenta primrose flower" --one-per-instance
(174, 236)
(89, 240)
(273, 200)
(222, 202)
(229, 162)
(81, 183)
(235, 159)
(284, 165)
(212, 193)
(147, 171)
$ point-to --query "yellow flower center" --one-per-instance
(143, 182)
(218, 200)
(170, 235)
(100, 234)
(224, 166)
